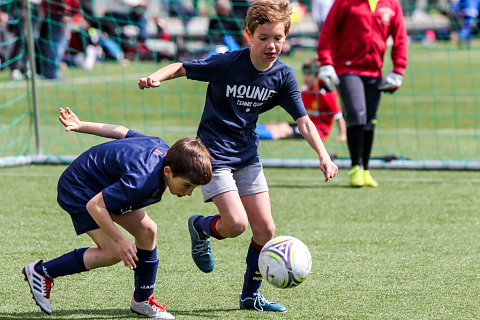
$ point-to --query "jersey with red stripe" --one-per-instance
(128, 172)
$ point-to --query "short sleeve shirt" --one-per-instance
(128, 172)
(237, 93)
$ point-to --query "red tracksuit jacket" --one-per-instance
(353, 39)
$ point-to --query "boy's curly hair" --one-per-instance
(268, 11)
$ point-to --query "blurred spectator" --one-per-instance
(16, 55)
(319, 11)
(224, 31)
(54, 36)
(3, 38)
(322, 107)
(132, 44)
(240, 8)
(103, 24)
(83, 48)
(180, 8)
(423, 8)
(465, 14)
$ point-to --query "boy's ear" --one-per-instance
(247, 32)
(167, 171)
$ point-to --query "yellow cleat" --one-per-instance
(356, 176)
(368, 181)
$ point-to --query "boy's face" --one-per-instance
(309, 79)
(178, 186)
(267, 43)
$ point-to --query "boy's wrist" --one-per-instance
(324, 157)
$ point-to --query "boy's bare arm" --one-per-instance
(126, 249)
(310, 133)
(73, 123)
(168, 72)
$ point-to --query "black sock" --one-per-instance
(355, 143)
(367, 146)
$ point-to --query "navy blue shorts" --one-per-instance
(82, 220)
(360, 97)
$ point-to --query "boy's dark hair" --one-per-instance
(310, 66)
(268, 11)
(189, 158)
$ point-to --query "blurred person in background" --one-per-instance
(223, 30)
(16, 53)
(351, 47)
(54, 36)
(465, 15)
(319, 11)
(322, 107)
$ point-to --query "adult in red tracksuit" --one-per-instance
(352, 45)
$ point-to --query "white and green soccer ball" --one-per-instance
(285, 262)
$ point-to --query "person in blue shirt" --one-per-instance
(110, 184)
(241, 85)
(466, 13)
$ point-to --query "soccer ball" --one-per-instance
(285, 262)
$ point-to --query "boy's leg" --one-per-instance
(261, 221)
(40, 274)
(230, 222)
(253, 189)
(263, 228)
(144, 229)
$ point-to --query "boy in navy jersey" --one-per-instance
(112, 183)
(241, 85)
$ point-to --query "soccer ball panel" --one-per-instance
(285, 262)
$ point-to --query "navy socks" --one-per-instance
(69, 263)
(72, 262)
(145, 273)
(253, 278)
(207, 225)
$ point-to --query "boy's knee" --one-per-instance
(148, 233)
(263, 234)
(235, 228)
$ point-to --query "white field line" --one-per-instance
(272, 181)
(73, 81)
(290, 181)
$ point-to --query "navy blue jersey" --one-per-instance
(237, 93)
(128, 172)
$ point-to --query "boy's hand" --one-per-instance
(69, 119)
(148, 83)
(128, 253)
(329, 169)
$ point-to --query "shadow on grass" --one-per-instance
(95, 314)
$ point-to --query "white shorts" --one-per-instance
(246, 181)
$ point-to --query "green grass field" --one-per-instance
(406, 250)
